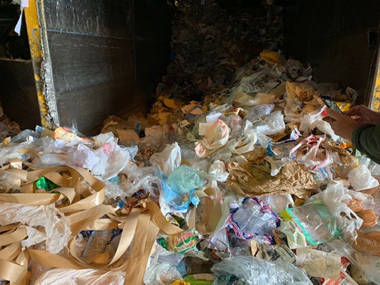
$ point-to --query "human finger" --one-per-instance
(354, 110)
(334, 114)
(359, 120)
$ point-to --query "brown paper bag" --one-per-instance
(293, 179)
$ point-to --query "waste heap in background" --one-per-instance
(8, 128)
(209, 44)
(249, 185)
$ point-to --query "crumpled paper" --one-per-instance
(293, 179)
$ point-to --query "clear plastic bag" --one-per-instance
(80, 276)
(56, 233)
(167, 160)
(256, 271)
(162, 274)
(343, 204)
(370, 265)
(316, 222)
(256, 112)
(272, 124)
(246, 100)
(139, 178)
(253, 220)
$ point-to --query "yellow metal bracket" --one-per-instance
(34, 36)
(375, 104)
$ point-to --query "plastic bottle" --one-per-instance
(96, 244)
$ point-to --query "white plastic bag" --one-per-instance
(216, 137)
(272, 124)
(247, 142)
(216, 173)
(57, 227)
(167, 160)
(65, 276)
(315, 120)
(84, 157)
(361, 179)
(336, 198)
(112, 158)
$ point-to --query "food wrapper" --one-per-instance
(45, 184)
(180, 282)
(200, 279)
(270, 56)
(179, 243)
(66, 135)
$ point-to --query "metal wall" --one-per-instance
(100, 62)
(338, 37)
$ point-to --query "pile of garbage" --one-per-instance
(8, 128)
(249, 186)
(210, 43)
